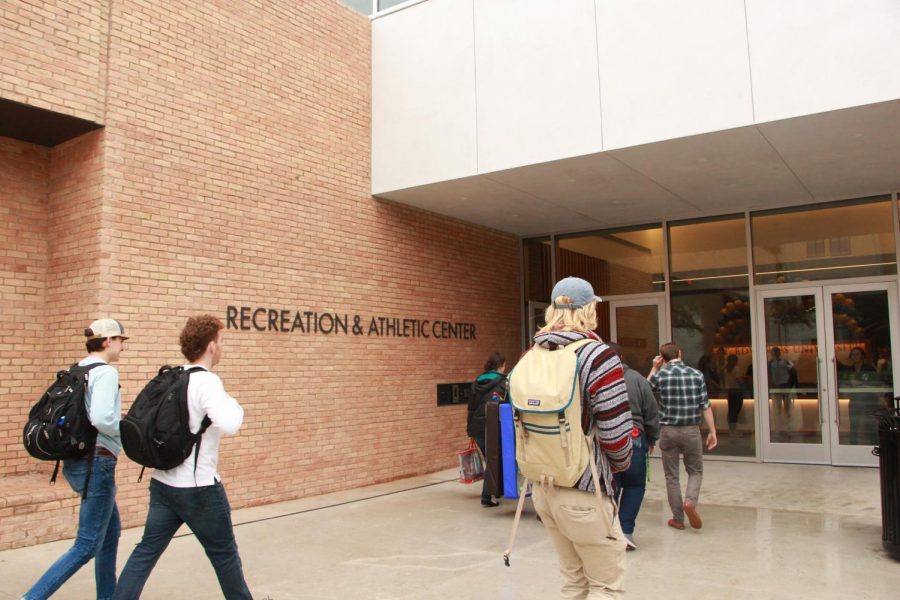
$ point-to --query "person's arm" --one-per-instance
(650, 411)
(105, 414)
(609, 405)
(223, 410)
(706, 407)
(711, 440)
(474, 399)
(657, 365)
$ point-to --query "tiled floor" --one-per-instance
(770, 532)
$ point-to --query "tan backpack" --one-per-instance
(547, 411)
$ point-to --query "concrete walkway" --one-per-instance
(770, 531)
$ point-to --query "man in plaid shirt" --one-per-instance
(683, 403)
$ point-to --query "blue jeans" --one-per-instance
(631, 484)
(98, 531)
(207, 513)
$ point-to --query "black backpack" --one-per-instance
(58, 426)
(156, 431)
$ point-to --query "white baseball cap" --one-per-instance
(105, 328)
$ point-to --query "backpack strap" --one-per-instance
(84, 370)
(589, 440)
(512, 535)
(204, 425)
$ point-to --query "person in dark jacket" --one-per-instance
(631, 484)
(490, 385)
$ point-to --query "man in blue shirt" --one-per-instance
(98, 518)
(683, 404)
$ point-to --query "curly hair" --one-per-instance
(198, 332)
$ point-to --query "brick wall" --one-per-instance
(50, 262)
(54, 55)
(24, 181)
(234, 170)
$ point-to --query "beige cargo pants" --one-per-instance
(591, 564)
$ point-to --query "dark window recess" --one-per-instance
(449, 394)
(40, 126)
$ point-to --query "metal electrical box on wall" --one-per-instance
(449, 394)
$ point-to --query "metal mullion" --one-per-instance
(754, 332)
(553, 251)
(895, 211)
(667, 308)
(523, 304)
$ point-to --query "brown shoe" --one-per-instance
(674, 523)
(693, 516)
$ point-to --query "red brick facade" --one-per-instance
(233, 169)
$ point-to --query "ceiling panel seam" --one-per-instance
(785, 162)
(650, 179)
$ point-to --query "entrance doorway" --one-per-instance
(639, 325)
(828, 364)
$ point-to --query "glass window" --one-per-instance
(846, 239)
(708, 254)
(628, 261)
(363, 6)
(386, 4)
(710, 304)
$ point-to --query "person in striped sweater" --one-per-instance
(590, 544)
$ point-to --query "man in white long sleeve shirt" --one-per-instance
(192, 493)
(98, 518)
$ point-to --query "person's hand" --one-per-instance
(650, 451)
(711, 440)
(657, 362)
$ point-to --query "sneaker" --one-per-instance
(676, 524)
(489, 503)
(693, 516)
(629, 542)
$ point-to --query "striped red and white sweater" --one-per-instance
(602, 380)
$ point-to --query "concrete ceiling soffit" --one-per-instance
(485, 202)
(731, 170)
(597, 186)
(844, 153)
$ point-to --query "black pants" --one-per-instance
(485, 496)
(735, 404)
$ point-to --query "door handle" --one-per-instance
(837, 399)
(822, 388)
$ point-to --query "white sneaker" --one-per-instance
(629, 542)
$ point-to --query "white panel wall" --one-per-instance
(671, 69)
(663, 69)
(537, 81)
(423, 95)
(813, 56)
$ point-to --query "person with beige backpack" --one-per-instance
(573, 431)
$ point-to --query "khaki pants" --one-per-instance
(676, 440)
(592, 566)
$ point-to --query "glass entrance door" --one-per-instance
(827, 367)
(860, 366)
(639, 326)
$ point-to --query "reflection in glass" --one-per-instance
(862, 342)
(711, 321)
(846, 239)
(792, 370)
(637, 332)
(615, 262)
